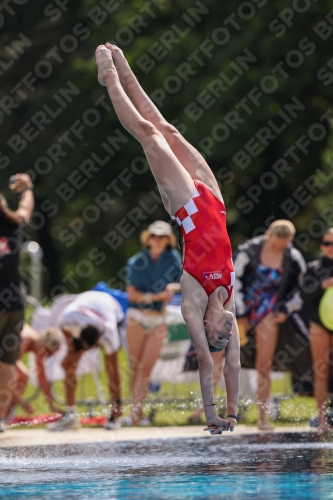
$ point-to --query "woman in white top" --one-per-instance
(92, 319)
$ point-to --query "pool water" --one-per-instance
(279, 466)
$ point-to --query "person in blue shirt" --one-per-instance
(153, 276)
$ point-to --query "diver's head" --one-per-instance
(218, 326)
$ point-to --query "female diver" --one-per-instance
(191, 196)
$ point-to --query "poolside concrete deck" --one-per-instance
(43, 437)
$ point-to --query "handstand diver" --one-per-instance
(191, 196)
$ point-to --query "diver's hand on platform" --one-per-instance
(214, 430)
(232, 423)
(217, 425)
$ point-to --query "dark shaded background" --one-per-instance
(203, 60)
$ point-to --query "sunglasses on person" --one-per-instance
(327, 243)
(159, 236)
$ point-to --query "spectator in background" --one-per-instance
(268, 269)
(93, 319)
(317, 279)
(12, 302)
(153, 276)
(43, 345)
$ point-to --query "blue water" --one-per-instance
(288, 466)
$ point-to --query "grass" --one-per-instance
(173, 404)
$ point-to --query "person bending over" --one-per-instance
(42, 346)
(191, 196)
(92, 319)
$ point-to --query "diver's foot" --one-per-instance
(123, 69)
(104, 63)
(265, 426)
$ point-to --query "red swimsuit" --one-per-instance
(207, 249)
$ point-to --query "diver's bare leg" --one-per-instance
(188, 156)
(174, 182)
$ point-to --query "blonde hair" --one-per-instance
(282, 228)
(51, 339)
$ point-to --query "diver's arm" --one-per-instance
(232, 365)
(206, 368)
(194, 303)
(232, 371)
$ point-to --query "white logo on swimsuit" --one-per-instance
(215, 275)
